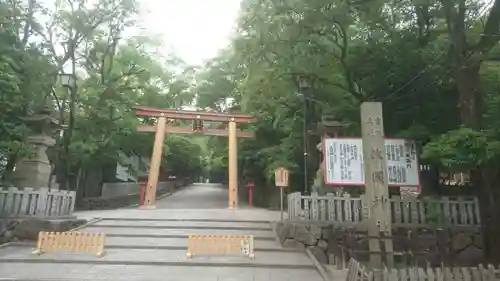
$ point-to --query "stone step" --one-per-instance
(183, 223)
(184, 220)
(169, 243)
(174, 242)
(235, 227)
(179, 231)
(181, 236)
(93, 272)
(162, 257)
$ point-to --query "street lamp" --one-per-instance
(304, 87)
(67, 80)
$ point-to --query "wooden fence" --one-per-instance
(36, 203)
(357, 272)
(407, 212)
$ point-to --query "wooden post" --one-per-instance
(376, 183)
(281, 204)
(233, 166)
(154, 168)
(281, 181)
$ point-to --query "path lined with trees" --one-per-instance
(433, 65)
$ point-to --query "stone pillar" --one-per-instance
(376, 198)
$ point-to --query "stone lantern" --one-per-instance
(34, 170)
(331, 128)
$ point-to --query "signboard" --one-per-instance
(281, 177)
(343, 160)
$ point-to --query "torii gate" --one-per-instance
(161, 128)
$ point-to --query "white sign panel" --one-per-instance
(343, 160)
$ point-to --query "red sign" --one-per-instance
(251, 185)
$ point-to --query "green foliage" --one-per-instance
(114, 73)
(461, 150)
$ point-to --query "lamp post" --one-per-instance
(304, 87)
(68, 81)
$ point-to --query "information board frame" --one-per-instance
(358, 141)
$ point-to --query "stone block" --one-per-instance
(319, 254)
(462, 240)
(322, 244)
(304, 236)
(315, 231)
(29, 229)
(293, 244)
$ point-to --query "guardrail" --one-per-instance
(28, 202)
(407, 212)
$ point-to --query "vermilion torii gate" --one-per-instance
(198, 117)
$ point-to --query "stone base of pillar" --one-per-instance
(34, 171)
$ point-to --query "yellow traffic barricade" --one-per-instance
(72, 242)
(220, 244)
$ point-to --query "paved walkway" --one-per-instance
(151, 245)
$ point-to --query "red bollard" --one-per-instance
(143, 183)
(142, 192)
(171, 179)
(250, 186)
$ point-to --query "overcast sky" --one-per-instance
(195, 29)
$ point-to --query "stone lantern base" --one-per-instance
(34, 170)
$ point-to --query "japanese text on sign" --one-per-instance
(281, 177)
(344, 162)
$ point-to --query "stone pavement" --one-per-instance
(151, 245)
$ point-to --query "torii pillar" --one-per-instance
(154, 168)
(233, 165)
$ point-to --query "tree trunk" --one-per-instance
(489, 208)
(469, 99)
(484, 186)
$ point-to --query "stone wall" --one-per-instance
(415, 247)
(101, 203)
(27, 229)
(117, 189)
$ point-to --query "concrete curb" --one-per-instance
(251, 264)
(318, 266)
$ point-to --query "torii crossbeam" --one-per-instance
(161, 129)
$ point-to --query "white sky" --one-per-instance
(195, 30)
